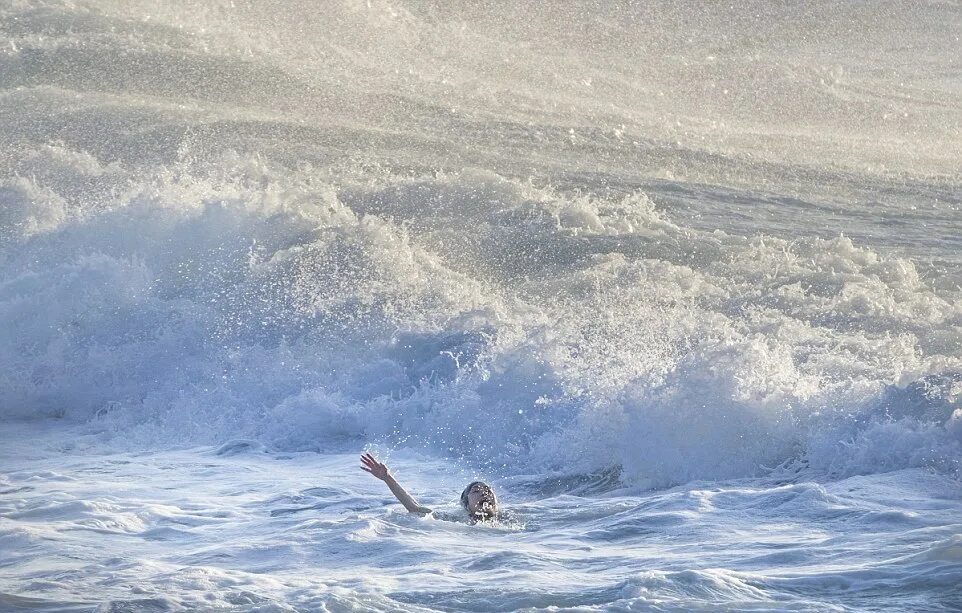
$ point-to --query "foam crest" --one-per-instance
(513, 325)
(27, 209)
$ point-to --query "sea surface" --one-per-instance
(681, 281)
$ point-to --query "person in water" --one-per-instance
(478, 498)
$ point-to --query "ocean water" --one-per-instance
(682, 282)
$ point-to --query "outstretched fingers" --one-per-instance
(372, 466)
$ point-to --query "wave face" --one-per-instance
(629, 244)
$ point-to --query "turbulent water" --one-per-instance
(683, 282)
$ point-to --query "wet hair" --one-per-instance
(487, 495)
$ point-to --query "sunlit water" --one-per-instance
(238, 528)
(683, 283)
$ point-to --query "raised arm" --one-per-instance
(380, 471)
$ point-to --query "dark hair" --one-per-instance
(487, 495)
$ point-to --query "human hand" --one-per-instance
(374, 467)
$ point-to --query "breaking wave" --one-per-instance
(203, 258)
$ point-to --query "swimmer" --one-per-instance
(478, 498)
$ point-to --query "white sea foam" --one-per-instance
(610, 337)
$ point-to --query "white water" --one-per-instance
(683, 283)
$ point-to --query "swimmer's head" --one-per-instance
(479, 501)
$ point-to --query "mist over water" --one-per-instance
(628, 244)
(526, 234)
